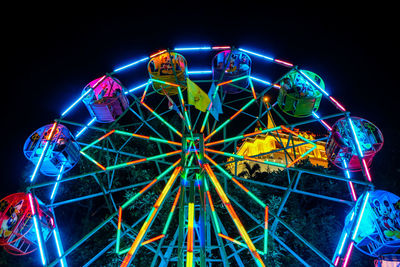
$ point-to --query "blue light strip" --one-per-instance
(85, 128)
(346, 171)
(131, 64)
(40, 160)
(260, 80)
(53, 193)
(321, 121)
(355, 137)
(256, 54)
(200, 72)
(352, 216)
(192, 48)
(313, 82)
(39, 240)
(76, 102)
(342, 244)
(57, 239)
(360, 216)
(137, 87)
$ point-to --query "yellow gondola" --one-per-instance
(171, 68)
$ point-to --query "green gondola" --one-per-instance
(297, 96)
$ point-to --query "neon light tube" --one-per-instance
(232, 240)
(192, 48)
(31, 203)
(43, 152)
(158, 53)
(352, 216)
(242, 136)
(262, 204)
(39, 241)
(260, 80)
(266, 231)
(190, 232)
(131, 64)
(155, 139)
(355, 137)
(163, 82)
(161, 119)
(336, 261)
(220, 47)
(245, 158)
(347, 257)
(137, 87)
(252, 89)
(57, 238)
(85, 128)
(360, 216)
(40, 161)
(152, 240)
(284, 63)
(233, 80)
(366, 170)
(145, 91)
(228, 120)
(171, 213)
(150, 217)
(94, 161)
(213, 213)
(347, 174)
(238, 243)
(342, 244)
(313, 82)
(200, 72)
(233, 214)
(256, 54)
(337, 104)
(118, 229)
(98, 140)
(76, 102)
(162, 175)
(322, 121)
(53, 193)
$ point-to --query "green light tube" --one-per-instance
(127, 203)
(98, 140)
(162, 120)
(262, 204)
(244, 136)
(214, 215)
(230, 119)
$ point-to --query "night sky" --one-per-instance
(51, 55)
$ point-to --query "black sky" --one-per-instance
(51, 54)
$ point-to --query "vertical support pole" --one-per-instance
(190, 234)
(181, 229)
(202, 219)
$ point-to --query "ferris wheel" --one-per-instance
(160, 145)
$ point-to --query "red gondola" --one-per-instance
(17, 233)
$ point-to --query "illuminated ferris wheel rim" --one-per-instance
(206, 140)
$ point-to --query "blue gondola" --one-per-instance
(237, 65)
(62, 149)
